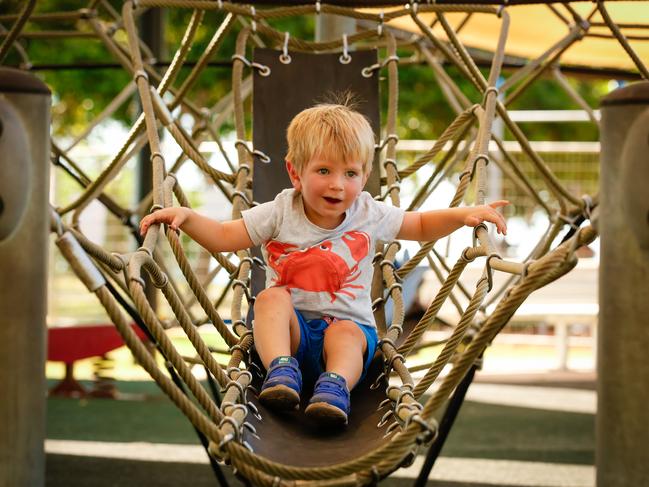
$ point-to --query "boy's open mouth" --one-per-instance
(331, 200)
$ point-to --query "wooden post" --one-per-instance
(24, 229)
(623, 368)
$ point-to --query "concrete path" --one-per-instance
(447, 471)
(504, 473)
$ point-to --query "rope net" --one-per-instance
(120, 280)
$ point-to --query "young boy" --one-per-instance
(315, 315)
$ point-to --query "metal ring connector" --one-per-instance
(284, 58)
(345, 58)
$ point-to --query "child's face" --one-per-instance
(328, 188)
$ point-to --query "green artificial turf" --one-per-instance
(481, 430)
(516, 433)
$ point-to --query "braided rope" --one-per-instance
(224, 424)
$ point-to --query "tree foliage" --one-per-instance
(80, 94)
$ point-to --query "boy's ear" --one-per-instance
(293, 175)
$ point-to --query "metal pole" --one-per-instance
(24, 228)
(622, 424)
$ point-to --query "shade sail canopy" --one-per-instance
(537, 27)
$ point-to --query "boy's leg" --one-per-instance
(344, 348)
(276, 330)
(277, 337)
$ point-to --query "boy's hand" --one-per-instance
(488, 213)
(174, 217)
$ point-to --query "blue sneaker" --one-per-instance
(281, 389)
(330, 402)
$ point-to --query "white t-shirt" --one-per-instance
(328, 272)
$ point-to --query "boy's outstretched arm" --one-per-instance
(435, 224)
(214, 236)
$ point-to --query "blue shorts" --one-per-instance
(309, 352)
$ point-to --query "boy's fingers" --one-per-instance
(499, 203)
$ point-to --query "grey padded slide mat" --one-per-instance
(308, 79)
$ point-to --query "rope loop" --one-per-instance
(474, 165)
(345, 58)
(253, 409)
(140, 73)
(384, 419)
(393, 187)
(490, 272)
(490, 89)
(57, 222)
(146, 250)
(378, 381)
(234, 347)
(569, 220)
(369, 70)
(376, 303)
(526, 269)
(239, 282)
(428, 434)
(232, 422)
(226, 439)
(393, 163)
(245, 334)
(156, 154)
(380, 146)
(285, 58)
(262, 68)
(243, 196)
(386, 341)
(241, 168)
(263, 157)
(394, 286)
(234, 407)
(402, 393)
(238, 322)
(253, 152)
(390, 429)
(395, 357)
(234, 383)
(398, 328)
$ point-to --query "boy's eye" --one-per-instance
(323, 170)
(351, 174)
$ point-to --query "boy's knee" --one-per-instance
(273, 295)
(345, 328)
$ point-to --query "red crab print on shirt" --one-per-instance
(318, 268)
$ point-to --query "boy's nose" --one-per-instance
(335, 183)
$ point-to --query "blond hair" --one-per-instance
(331, 131)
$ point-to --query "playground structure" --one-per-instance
(225, 422)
